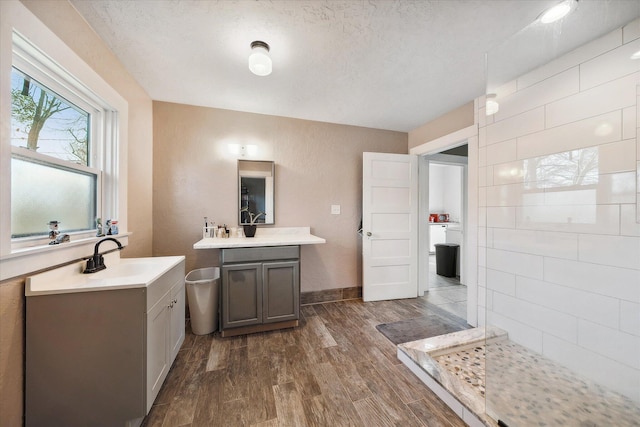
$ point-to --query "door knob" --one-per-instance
(368, 234)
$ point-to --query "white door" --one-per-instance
(389, 226)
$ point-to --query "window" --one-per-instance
(51, 174)
(75, 170)
(64, 151)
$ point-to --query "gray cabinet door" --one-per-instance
(281, 291)
(241, 295)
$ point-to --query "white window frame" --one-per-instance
(29, 45)
(54, 80)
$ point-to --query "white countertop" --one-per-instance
(280, 236)
(121, 273)
(451, 225)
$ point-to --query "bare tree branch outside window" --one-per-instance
(43, 121)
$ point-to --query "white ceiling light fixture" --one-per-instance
(557, 12)
(251, 150)
(491, 105)
(238, 150)
(636, 55)
(259, 60)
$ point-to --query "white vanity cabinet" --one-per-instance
(99, 349)
(165, 328)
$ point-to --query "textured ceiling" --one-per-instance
(381, 64)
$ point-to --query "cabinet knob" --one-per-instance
(368, 234)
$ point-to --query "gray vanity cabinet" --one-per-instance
(260, 289)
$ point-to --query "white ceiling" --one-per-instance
(380, 64)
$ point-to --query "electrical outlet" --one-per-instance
(335, 209)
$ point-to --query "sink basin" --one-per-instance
(120, 273)
(125, 269)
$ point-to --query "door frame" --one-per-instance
(447, 160)
(469, 136)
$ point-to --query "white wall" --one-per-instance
(436, 188)
(562, 260)
(445, 190)
(453, 192)
(317, 165)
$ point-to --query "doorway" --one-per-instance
(415, 227)
(472, 254)
(445, 218)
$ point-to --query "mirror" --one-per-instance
(255, 191)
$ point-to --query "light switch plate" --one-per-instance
(335, 209)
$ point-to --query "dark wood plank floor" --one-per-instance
(335, 369)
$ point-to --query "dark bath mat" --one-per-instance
(418, 328)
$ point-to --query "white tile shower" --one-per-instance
(558, 211)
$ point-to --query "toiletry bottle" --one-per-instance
(99, 232)
(205, 229)
(114, 226)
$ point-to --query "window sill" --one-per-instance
(33, 259)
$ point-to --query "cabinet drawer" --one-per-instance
(259, 254)
(157, 289)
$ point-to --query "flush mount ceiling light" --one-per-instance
(557, 12)
(636, 55)
(491, 105)
(259, 60)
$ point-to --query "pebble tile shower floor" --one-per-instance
(526, 389)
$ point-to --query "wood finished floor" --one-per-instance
(335, 369)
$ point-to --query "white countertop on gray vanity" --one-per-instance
(275, 236)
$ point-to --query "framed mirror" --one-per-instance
(256, 192)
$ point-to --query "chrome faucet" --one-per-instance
(96, 262)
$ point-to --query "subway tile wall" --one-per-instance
(559, 228)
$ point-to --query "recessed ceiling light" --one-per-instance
(556, 12)
(636, 55)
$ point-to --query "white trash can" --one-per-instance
(203, 289)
